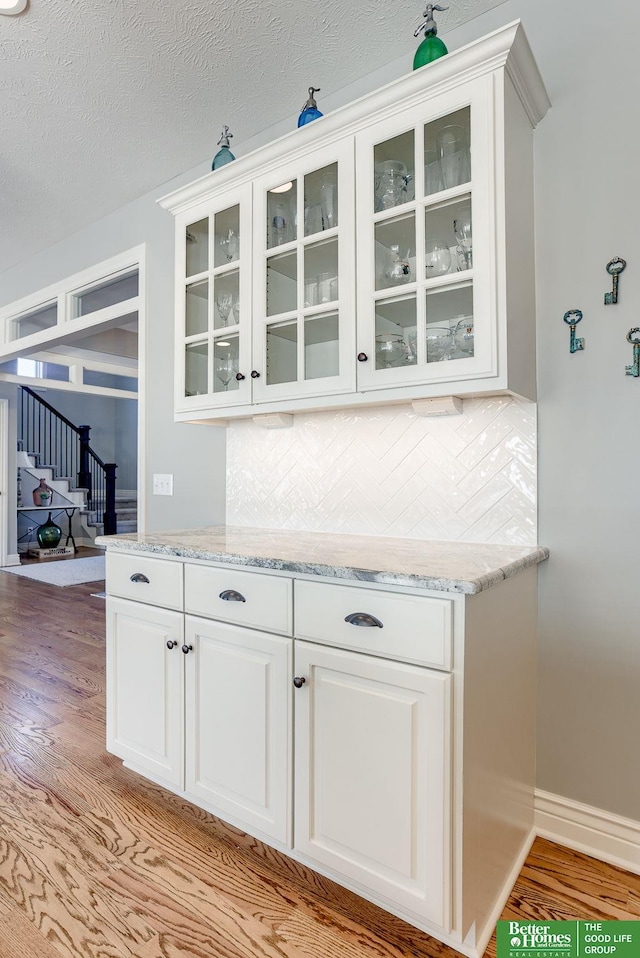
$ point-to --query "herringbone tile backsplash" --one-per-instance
(387, 471)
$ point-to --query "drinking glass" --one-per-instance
(229, 243)
(462, 233)
(390, 184)
(226, 367)
(438, 258)
(453, 151)
(438, 343)
(329, 200)
(224, 304)
(432, 172)
(397, 270)
(463, 335)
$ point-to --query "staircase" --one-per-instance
(126, 513)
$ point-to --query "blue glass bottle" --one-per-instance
(310, 110)
(432, 47)
(224, 154)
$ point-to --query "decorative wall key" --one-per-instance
(614, 268)
(634, 368)
(572, 317)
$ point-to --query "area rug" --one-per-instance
(62, 572)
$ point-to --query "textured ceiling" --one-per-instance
(107, 99)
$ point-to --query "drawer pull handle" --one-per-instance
(187, 648)
(230, 595)
(299, 681)
(171, 644)
(138, 577)
(363, 619)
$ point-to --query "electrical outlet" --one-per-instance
(162, 484)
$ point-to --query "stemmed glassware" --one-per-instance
(462, 233)
(226, 366)
(229, 243)
(224, 304)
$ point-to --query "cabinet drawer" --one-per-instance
(137, 577)
(413, 628)
(244, 598)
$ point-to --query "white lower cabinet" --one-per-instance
(238, 721)
(372, 757)
(145, 689)
(384, 737)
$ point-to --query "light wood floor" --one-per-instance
(96, 862)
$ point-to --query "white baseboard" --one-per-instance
(602, 835)
(12, 560)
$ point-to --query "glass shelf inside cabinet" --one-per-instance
(197, 247)
(226, 299)
(197, 308)
(321, 346)
(282, 214)
(227, 236)
(225, 363)
(447, 152)
(396, 329)
(282, 352)
(395, 248)
(321, 200)
(394, 172)
(282, 283)
(321, 273)
(448, 238)
(196, 369)
(449, 323)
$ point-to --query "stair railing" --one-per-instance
(54, 439)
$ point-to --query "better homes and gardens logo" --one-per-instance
(568, 939)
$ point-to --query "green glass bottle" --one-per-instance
(432, 47)
(49, 534)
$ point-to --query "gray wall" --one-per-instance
(587, 211)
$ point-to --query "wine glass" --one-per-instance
(462, 233)
(226, 365)
(229, 243)
(438, 258)
(224, 304)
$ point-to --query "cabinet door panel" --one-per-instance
(145, 688)
(372, 775)
(238, 738)
(428, 309)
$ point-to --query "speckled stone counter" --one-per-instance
(444, 566)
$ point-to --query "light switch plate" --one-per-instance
(162, 484)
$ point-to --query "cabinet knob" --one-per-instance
(187, 648)
(255, 374)
(240, 377)
(363, 619)
(230, 595)
(362, 357)
(138, 577)
(171, 644)
(299, 681)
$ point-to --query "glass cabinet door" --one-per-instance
(215, 304)
(304, 277)
(425, 245)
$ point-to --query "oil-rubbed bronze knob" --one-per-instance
(187, 648)
(362, 357)
(240, 377)
(255, 374)
(299, 681)
(171, 644)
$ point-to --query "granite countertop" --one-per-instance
(464, 567)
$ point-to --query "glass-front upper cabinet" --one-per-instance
(213, 305)
(425, 244)
(304, 279)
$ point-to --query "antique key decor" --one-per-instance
(572, 317)
(614, 267)
(634, 368)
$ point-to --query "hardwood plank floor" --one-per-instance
(97, 863)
